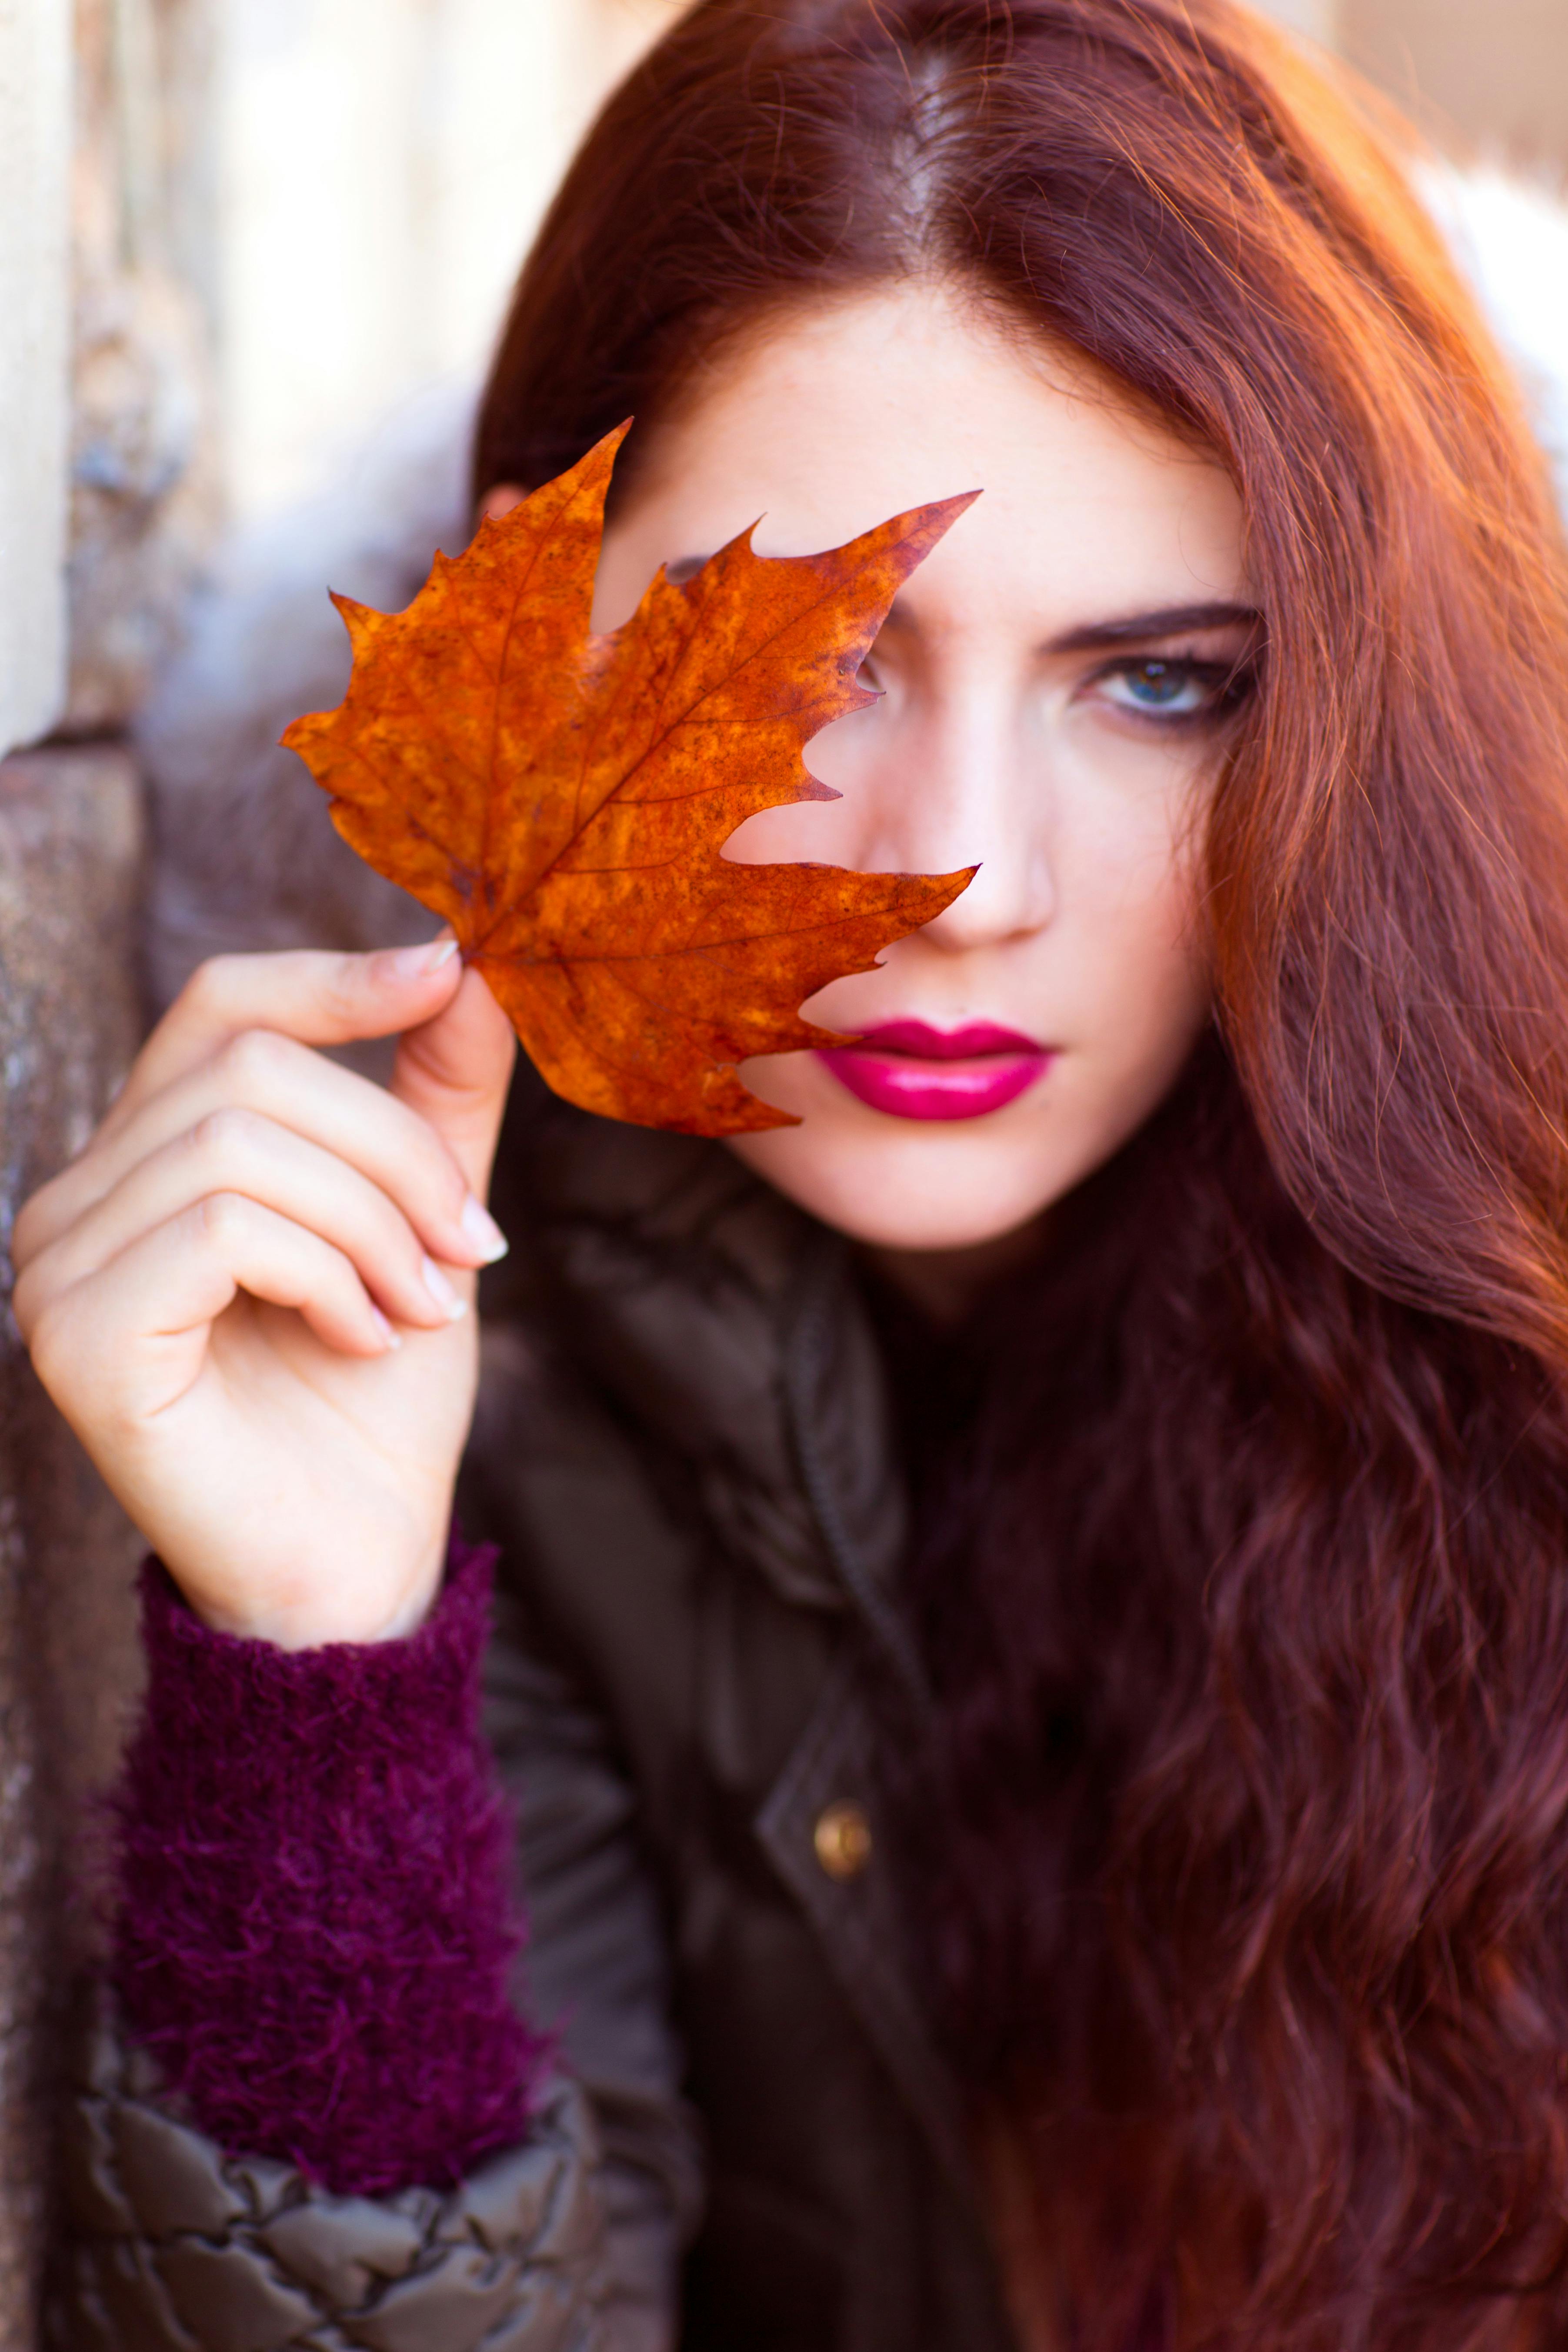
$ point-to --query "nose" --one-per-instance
(954, 787)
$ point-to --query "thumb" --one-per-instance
(455, 1071)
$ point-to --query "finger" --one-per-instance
(453, 1071)
(261, 1071)
(136, 1327)
(315, 997)
(236, 1150)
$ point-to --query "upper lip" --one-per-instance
(918, 1039)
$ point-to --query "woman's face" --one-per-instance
(1054, 681)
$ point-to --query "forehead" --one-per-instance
(825, 421)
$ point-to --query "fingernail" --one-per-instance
(441, 1290)
(389, 1338)
(480, 1229)
(419, 963)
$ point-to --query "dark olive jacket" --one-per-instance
(683, 1450)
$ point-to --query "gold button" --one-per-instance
(843, 1840)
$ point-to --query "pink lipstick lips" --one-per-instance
(913, 1071)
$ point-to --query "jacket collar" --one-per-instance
(728, 1325)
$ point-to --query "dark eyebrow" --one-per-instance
(1173, 621)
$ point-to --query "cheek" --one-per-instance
(1141, 941)
(1142, 979)
(1151, 1009)
(1124, 846)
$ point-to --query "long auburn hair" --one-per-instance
(1248, 1587)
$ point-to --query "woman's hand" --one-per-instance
(251, 1295)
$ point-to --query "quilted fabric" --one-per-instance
(177, 2248)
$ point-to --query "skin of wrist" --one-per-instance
(318, 1616)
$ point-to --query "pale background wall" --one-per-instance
(1495, 70)
(35, 304)
(382, 164)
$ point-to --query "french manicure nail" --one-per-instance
(441, 1290)
(419, 963)
(389, 1338)
(480, 1230)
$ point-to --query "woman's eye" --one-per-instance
(1170, 690)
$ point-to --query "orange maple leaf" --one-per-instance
(562, 798)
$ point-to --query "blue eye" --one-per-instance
(1161, 688)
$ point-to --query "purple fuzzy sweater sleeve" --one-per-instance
(314, 1936)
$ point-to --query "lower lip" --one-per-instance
(906, 1087)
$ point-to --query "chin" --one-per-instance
(909, 1187)
(943, 1184)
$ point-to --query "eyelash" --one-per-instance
(1228, 685)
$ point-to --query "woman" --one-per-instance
(1033, 1653)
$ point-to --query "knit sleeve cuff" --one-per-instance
(314, 1936)
(343, 1708)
